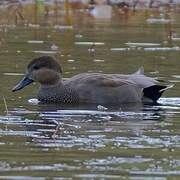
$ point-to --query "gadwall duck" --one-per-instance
(88, 87)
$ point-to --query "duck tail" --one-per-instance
(154, 92)
(140, 71)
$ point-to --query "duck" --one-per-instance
(96, 88)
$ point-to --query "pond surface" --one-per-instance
(133, 141)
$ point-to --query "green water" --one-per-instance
(80, 142)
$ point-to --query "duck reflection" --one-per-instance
(67, 126)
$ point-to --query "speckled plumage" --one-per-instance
(58, 94)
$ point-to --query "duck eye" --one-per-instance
(36, 67)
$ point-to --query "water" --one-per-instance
(132, 141)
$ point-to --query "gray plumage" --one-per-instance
(88, 87)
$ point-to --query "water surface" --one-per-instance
(132, 141)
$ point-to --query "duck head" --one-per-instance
(45, 70)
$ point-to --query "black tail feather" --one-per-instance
(154, 92)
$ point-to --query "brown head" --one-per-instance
(45, 70)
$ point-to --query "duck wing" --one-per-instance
(99, 80)
(103, 88)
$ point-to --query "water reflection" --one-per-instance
(60, 126)
(119, 135)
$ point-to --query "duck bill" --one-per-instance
(23, 83)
